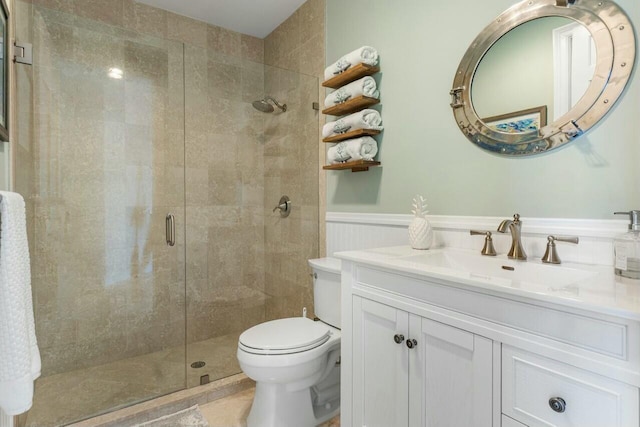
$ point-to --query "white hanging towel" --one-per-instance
(364, 55)
(365, 86)
(365, 119)
(19, 354)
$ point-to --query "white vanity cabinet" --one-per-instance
(413, 371)
(481, 357)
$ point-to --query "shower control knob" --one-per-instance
(398, 338)
(412, 343)
(558, 404)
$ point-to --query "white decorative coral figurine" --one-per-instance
(420, 232)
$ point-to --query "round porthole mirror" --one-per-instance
(542, 74)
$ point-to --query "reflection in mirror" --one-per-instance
(539, 69)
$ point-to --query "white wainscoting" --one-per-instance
(353, 231)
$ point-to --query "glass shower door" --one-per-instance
(100, 162)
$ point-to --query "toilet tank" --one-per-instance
(326, 290)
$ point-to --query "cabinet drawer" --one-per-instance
(529, 382)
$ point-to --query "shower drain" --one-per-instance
(198, 364)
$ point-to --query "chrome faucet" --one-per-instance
(514, 226)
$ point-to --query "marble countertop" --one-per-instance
(587, 287)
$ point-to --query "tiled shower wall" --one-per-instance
(238, 163)
(293, 159)
(224, 177)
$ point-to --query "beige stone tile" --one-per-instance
(197, 185)
(145, 104)
(186, 30)
(312, 19)
(225, 80)
(60, 43)
(231, 411)
(223, 150)
(147, 63)
(252, 48)
(62, 5)
(145, 19)
(111, 12)
(197, 149)
(225, 115)
(271, 51)
(225, 188)
(290, 33)
(252, 84)
(312, 58)
(224, 41)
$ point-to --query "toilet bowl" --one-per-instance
(295, 361)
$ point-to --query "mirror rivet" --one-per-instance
(606, 101)
(600, 4)
(621, 27)
(624, 64)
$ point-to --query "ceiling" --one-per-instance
(254, 17)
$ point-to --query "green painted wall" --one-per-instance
(423, 152)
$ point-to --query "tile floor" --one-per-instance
(71, 396)
(232, 411)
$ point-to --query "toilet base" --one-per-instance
(274, 406)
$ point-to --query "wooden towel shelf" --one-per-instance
(352, 134)
(351, 106)
(354, 73)
(355, 166)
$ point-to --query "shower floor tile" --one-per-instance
(75, 395)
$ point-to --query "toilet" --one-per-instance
(295, 362)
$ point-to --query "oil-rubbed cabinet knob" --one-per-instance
(558, 404)
(412, 343)
(398, 338)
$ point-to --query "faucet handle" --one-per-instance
(551, 254)
(488, 248)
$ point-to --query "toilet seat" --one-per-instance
(284, 336)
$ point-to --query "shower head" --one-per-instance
(263, 106)
(266, 107)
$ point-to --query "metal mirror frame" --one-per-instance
(614, 38)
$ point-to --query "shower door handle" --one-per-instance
(171, 230)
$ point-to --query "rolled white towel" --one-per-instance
(364, 55)
(365, 119)
(363, 148)
(365, 86)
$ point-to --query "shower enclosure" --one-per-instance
(120, 124)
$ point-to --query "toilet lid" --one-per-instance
(285, 335)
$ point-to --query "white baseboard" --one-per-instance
(353, 231)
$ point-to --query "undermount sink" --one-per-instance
(503, 271)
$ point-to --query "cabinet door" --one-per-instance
(450, 377)
(380, 365)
